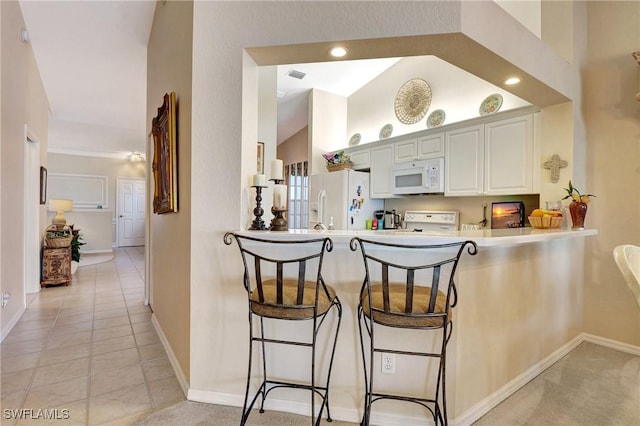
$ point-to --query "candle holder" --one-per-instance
(278, 223)
(277, 181)
(258, 211)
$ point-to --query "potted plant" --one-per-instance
(337, 161)
(76, 242)
(578, 207)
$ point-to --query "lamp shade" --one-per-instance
(60, 206)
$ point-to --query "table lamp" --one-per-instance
(60, 206)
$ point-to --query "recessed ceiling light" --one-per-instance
(338, 52)
(511, 81)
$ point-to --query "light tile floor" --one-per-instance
(89, 348)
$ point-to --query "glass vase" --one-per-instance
(578, 212)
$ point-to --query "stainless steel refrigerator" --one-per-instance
(343, 196)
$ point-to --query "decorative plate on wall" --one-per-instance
(355, 139)
(412, 101)
(436, 118)
(491, 104)
(386, 131)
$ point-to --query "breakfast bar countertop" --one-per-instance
(483, 237)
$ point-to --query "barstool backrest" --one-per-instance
(392, 265)
(289, 261)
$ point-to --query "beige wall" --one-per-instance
(101, 166)
(225, 130)
(169, 69)
(611, 115)
(295, 149)
(99, 231)
(23, 102)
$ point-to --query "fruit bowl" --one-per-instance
(545, 222)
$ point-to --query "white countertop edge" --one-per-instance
(483, 238)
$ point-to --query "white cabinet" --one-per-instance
(508, 154)
(423, 147)
(406, 150)
(431, 146)
(361, 159)
(380, 177)
(464, 161)
(494, 158)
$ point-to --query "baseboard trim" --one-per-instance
(8, 326)
(488, 403)
(295, 407)
(612, 344)
(101, 251)
(182, 380)
(467, 418)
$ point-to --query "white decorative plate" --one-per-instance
(412, 101)
(355, 139)
(491, 104)
(386, 131)
(436, 118)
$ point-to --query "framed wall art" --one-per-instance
(165, 176)
(43, 185)
(260, 158)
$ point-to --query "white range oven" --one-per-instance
(419, 221)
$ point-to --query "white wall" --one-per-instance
(372, 106)
(327, 126)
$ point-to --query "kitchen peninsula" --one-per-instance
(519, 310)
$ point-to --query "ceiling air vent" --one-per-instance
(296, 74)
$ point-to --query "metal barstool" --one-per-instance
(283, 280)
(408, 287)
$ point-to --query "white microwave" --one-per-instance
(419, 177)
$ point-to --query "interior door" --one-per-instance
(131, 211)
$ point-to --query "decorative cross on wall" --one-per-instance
(555, 164)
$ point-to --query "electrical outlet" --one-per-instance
(388, 363)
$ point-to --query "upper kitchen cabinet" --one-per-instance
(381, 165)
(361, 158)
(428, 146)
(493, 158)
(464, 161)
(509, 156)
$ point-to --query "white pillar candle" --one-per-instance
(259, 180)
(276, 169)
(280, 196)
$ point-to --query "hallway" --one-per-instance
(88, 352)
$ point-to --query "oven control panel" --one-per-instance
(431, 220)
